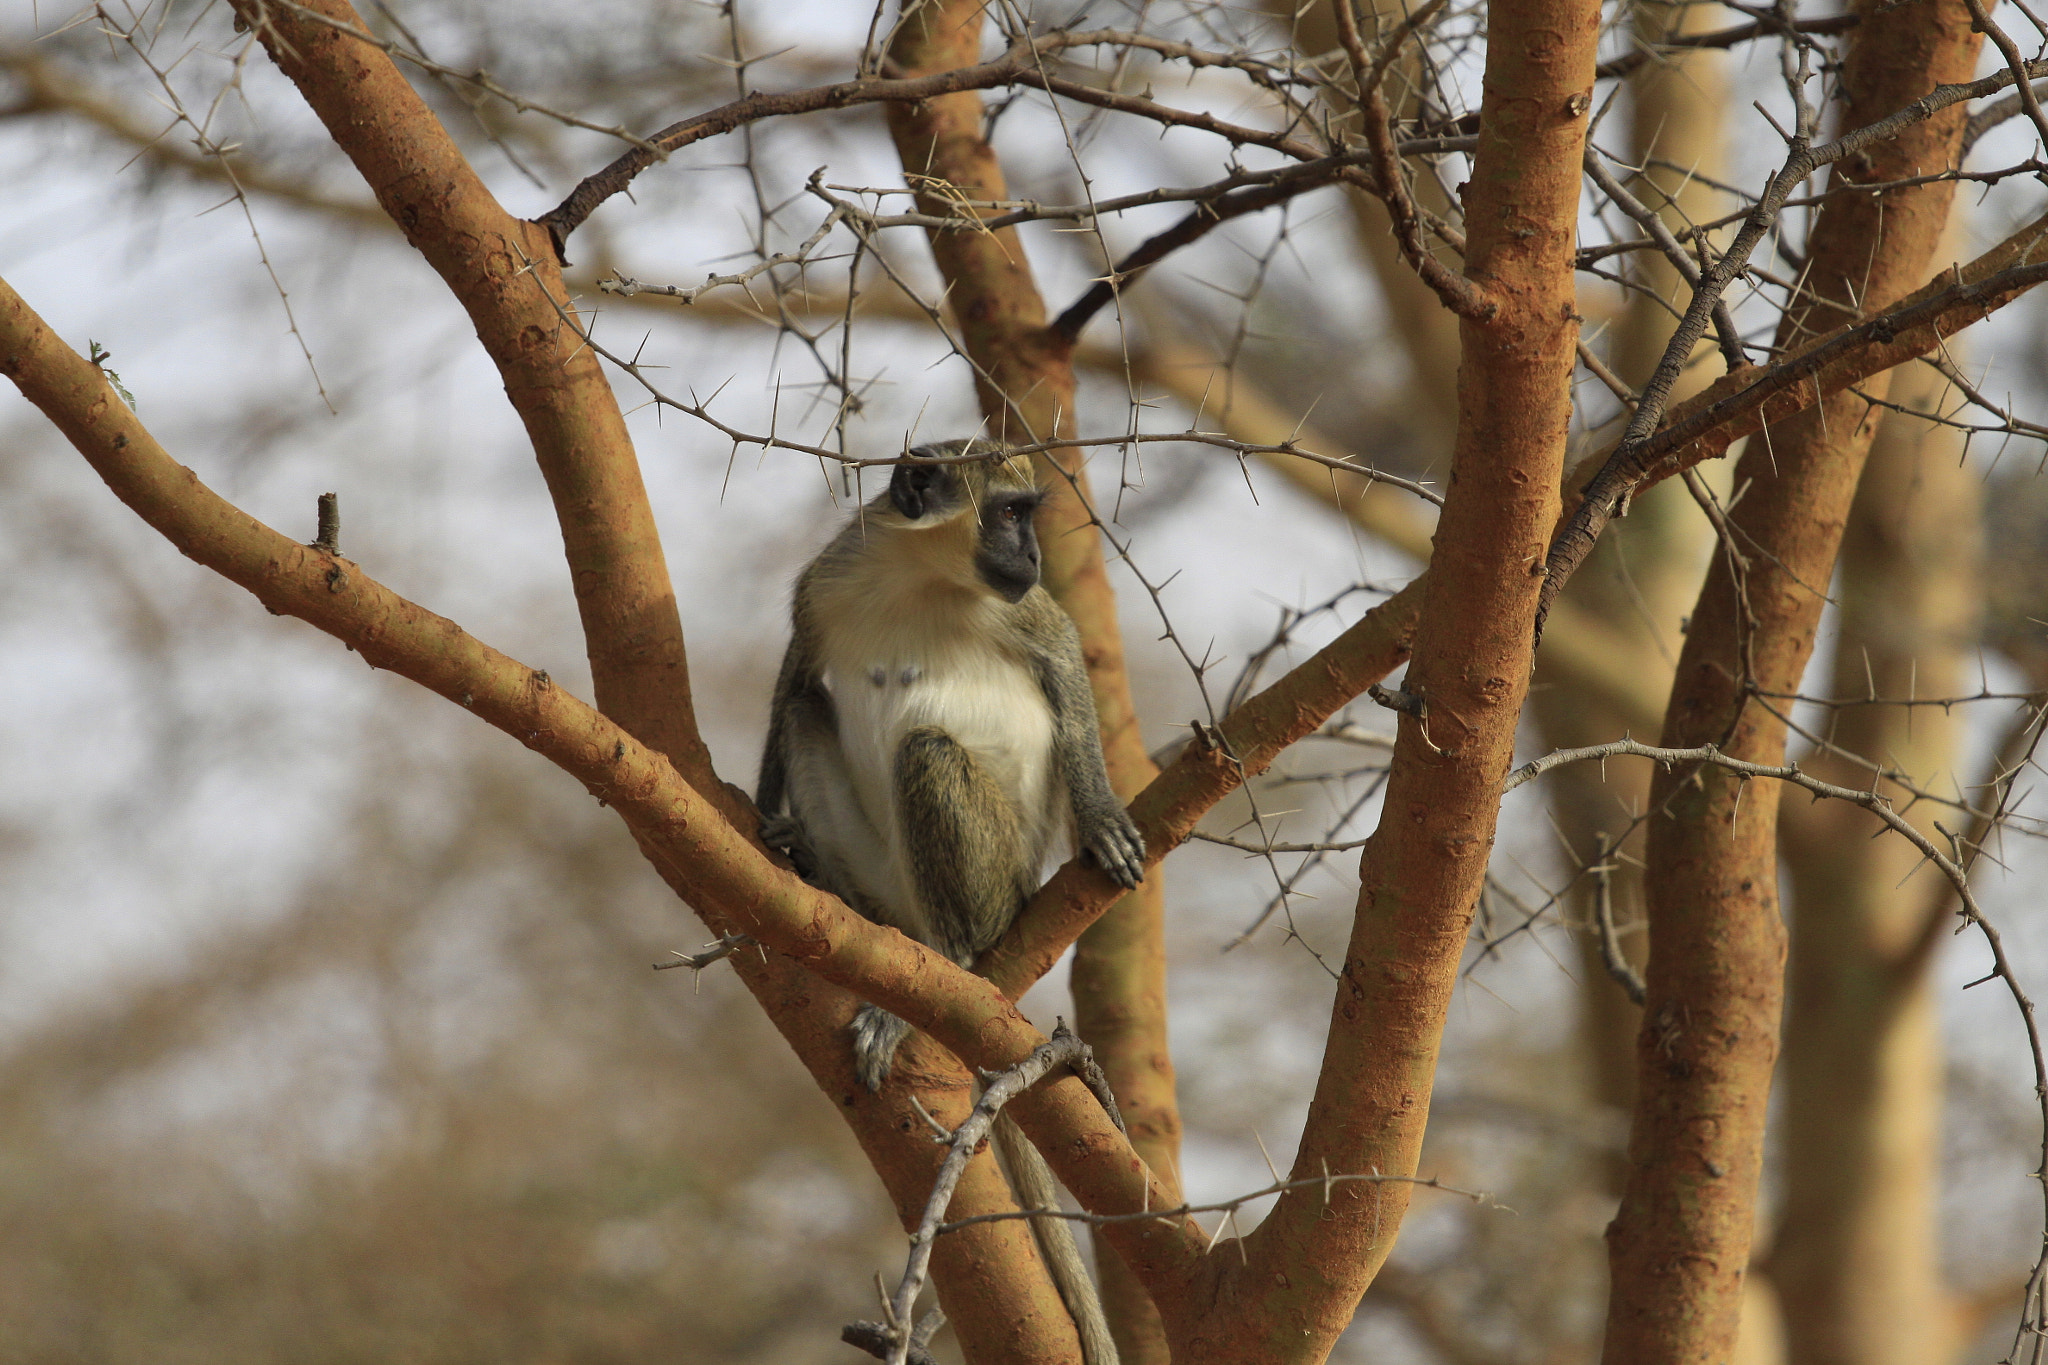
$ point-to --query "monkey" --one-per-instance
(933, 740)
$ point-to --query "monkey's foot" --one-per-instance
(785, 832)
(876, 1034)
(1114, 845)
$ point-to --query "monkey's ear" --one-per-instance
(913, 489)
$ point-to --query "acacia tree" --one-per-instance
(1371, 103)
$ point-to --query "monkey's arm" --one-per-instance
(801, 715)
(1103, 828)
(773, 786)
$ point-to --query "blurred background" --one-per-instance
(327, 1029)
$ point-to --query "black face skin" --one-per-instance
(1007, 557)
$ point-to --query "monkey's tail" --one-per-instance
(1032, 1181)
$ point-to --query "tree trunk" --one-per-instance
(1308, 1263)
(1856, 1263)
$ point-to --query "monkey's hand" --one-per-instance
(1111, 840)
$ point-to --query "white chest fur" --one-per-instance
(990, 705)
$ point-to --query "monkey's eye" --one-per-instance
(1010, 512)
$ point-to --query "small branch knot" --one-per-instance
(327, 533)
(1407, 703)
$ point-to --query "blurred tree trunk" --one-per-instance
(1856, 1263)
(1641, 578)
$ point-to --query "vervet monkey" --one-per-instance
(933, 741)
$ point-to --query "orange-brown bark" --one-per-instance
(1646, 570)
(1314, 1255)
(1023, 374)
(1728, 410)
(1170, 807)
(1024, 377)
(1371, 1109)
(502, 271)
(1680, 1246)
(1119, 985)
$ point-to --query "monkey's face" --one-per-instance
(1008, 554)
(992, 498)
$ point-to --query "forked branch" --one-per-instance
(730, 881)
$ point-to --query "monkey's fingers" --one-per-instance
(1119, 850)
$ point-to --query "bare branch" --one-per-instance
(1019, 66)
(1064, 1048)
(1462, 296)
(1616, 961)
(1609, 490)
(1748, 398)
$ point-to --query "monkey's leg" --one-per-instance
(964, 841)
(964, 845)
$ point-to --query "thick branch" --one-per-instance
(1211, 768)
(1024, 376)
(504, 275)
(1747, 400)
(1701, 429)
(1698, 430)
(1856, 1258)
(1680, 1245)
(1423, 869)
